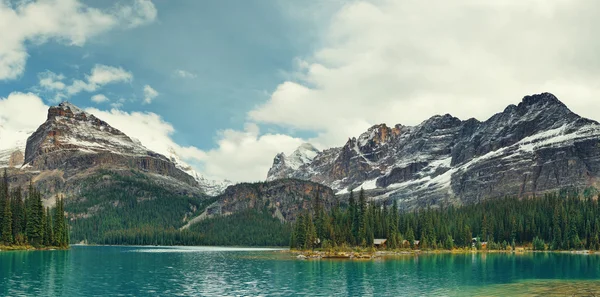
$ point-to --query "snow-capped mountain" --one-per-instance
(209, 186)
(72, 140)
(12, 147)
(537, 146)
(284, 165)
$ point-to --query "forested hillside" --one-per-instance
(566, 220)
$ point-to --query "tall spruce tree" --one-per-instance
(48, 231)
(18, 216)
(6, 223)
(3, 200)
(35, 213)
(60, 229)
(7, 236)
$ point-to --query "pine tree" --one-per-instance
(35, 222)
(59, 223)
(354, 217)
(18, 216)
(362, 218)
(48, 232)
(3, 201)
(7, 237)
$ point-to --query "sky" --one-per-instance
(228, 84)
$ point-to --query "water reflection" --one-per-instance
(147, 271)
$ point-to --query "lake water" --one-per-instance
(204, 271)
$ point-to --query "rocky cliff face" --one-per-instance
(530, 148)
(283, 198)
(72, 140)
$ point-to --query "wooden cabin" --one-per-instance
(379, 243)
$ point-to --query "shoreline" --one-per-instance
(10, 248)
(360, 254)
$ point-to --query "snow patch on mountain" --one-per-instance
(209, 186)
(535, 146)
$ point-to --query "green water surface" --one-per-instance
(210, 271)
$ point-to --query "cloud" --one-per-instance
(100, 98)
(239, 156)
(151, 130)
(15, 124)
(184, 74)
(140, 13)
(149, 94)
(51, 81)
(246, 155)
(70, 22)
(405, 61)
(99, 76)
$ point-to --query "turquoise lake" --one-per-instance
(210, 271)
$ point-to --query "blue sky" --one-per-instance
(236, 52)
(226, 85)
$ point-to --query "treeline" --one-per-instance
(250, 227)
(246, 228)
(112, 208)
(565, 220)
(24, 220)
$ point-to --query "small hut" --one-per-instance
(379, 242)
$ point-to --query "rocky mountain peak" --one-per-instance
(73, 140)
(536, 146)
(544, 99)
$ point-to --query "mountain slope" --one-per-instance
(72, 140)
(530, 148)
(283, 199)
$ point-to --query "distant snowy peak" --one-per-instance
(304, 154)
(209, 186)
(538, 145)
(284, 165)
(12, 147)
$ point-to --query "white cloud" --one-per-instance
(71, 22)
(184, 74)
(99, 76)
(118, 104)
(149, 94)
(246, 155)
(51, 81)
(15, 124)
(99, 98)
(405, 61)
(240, 155)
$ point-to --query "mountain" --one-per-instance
(283, 199)
(72, 140)
(286, 165)
(12, 147)
(119, 192)
(536, 146)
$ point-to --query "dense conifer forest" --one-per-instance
(130, 210)
(24, 221)
(568, 220)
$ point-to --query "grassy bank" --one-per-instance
(29, 248)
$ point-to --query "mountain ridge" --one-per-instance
(434, 161)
